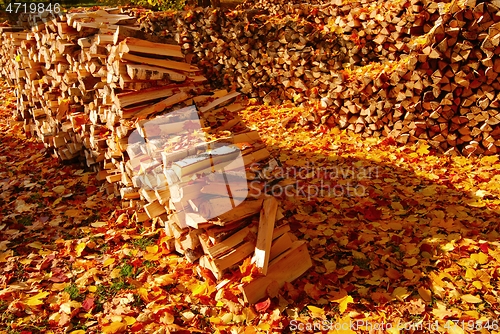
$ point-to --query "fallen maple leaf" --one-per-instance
(79, 248)
(88, 304)
(344, 303)
(423, 149)
(400, 293)
(263, 306)
(36, 299)
(163, 280)
(416, 307)
(312, 291)
(371, 213)
(5, 255)
(316, 311)
(480, 258)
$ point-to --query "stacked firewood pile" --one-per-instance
(391, 69)
(132, 107)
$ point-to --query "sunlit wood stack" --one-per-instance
(378, 68)
(210, 190)
(94, 88)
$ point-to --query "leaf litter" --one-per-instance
(399, 235)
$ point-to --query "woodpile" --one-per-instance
(133, 108)
(412, 70)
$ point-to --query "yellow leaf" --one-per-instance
(168, 318)
(453, 328)
(109, 261)
(470, 273)
(330, 266)
(471, 299)
(264, 326)
(115, 327)
(99, 224)
(429, 191)
(143, 292)
(199, 289)
(115, 273)
(163, 280)
(480, 258)
(475, 204)
(358, 255)
(79, 331)
(343, 326)
(59, 189)
(92, 288)
(425, 294)
(400, 293)
(151, 257)
(36, 299)
(473, 314)
(316, 311)
(57, 201)
(393, 330)
(423, 149)
(410, 262)
(448, 247)
(130, 320)
(79, 248)
(344, 303)
(478, 285)
(36, 244)
(5, 255)
(152, 249)
(489, 160)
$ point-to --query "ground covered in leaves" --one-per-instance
(402, 240)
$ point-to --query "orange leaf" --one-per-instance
(425, 294)
(393, 274)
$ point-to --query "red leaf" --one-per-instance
(263, 306)
(91, 190)
(372, 213)
(484, 248)
(426, 248)
(88, 304)
(59, 278)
